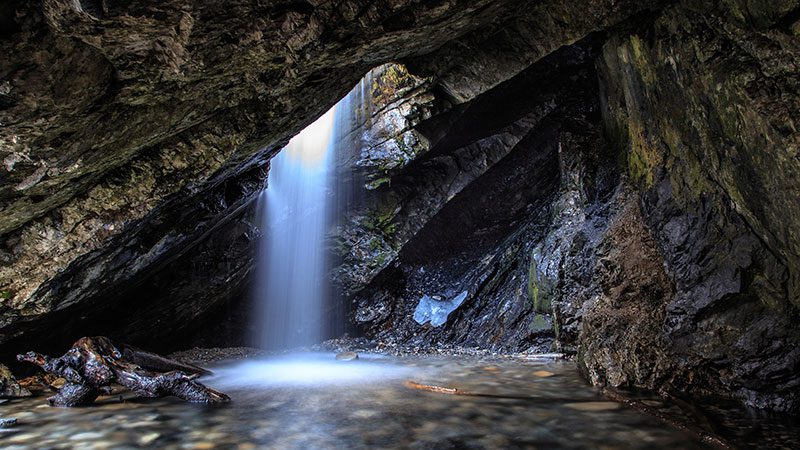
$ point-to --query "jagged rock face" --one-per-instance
(706, 107)
(665, 249)
(119, 117)
(464, 215)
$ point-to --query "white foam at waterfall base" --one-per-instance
(306, 369)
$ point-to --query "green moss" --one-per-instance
(393, 78)
(5, 295)
(381, 259)
(643, 157)
(556, 327)
(374, 244)
(539, 323)
(538, 289)
(375, 184)
(641, 61)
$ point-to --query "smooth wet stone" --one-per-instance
(86, 436)
(364, 414)
(148, 438)
(654, 403)
(7, 423)
(347, 356)
(543, 373)
(593, 406)
(138, 424)
(23, 438)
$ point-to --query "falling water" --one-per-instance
(309, 186)
(292, 269)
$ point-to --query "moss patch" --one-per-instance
(643, 158)
(539, 289)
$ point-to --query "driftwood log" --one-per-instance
(93, 364)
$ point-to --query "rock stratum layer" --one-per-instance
(616, 179)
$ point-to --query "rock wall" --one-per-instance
(705, 108)
(613, 179)
(117, 117)
(461, 219)
(660, 250)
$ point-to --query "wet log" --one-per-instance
(94, 363)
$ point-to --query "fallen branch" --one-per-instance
(430, 388)
(94, 363)
(454, 391)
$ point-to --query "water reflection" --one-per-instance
(289, 403)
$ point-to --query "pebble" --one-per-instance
(363, 414)
(24, 437)
(148, 438)
(86, 436)
(593, 406)
(654, 403)
(347, 356)
(138, 424)
(543, 373)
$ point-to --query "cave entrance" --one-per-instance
(311, 183)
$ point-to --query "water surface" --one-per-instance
(316, 402)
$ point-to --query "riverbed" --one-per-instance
(313, 401)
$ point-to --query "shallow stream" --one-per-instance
(317, 402)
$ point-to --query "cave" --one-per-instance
(460, 224)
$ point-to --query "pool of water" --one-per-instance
(316, 402)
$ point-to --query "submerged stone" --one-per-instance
(435, 311)
(7, 423)
(593, 406)
(543, 373)
(347, 356)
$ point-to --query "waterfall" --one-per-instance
(310, 184)
(291, 287)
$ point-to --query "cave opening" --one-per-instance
(528, 225)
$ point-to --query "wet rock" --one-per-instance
(148, 438)
(593, 406)
(9, 387)
(660, 254)
(707, 142)
(471, 210)
(7, 423)
(347, 356)
(92, 208)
